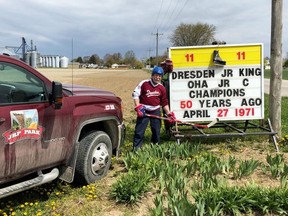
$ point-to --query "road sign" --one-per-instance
(217, 81)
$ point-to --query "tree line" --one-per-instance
(198, 34)
(183, 35)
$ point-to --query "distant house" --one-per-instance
(117, 66)
(114, 66)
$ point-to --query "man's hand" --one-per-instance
(140, 109)
(172, 117)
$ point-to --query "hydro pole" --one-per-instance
(157, 38)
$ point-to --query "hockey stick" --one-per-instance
(187, 123)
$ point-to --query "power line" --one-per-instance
(159, 12)
(168, 17)
(177, 15)
(165, 15)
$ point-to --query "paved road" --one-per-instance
(284, 90)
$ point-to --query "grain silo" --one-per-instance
(57, 61)
(27, 57)
(35, 58)
(64, 62)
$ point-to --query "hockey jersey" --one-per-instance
(151, 95)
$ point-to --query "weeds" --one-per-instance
(276, 164)
(245, 168)
(131, 187)
(240, 200)
(193, 182)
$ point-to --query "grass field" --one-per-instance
(284, 74)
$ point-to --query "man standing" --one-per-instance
(149, 97)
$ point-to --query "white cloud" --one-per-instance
(108, 26)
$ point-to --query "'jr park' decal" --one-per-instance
(24, 125)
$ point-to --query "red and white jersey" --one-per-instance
(152, 96)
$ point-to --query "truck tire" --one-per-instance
(94, 158)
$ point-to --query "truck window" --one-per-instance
(18, 85)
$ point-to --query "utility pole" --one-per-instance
(276, 66)
(149, 55)
(157, 38)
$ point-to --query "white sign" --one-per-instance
(203, 90)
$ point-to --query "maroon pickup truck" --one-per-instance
(49, 130)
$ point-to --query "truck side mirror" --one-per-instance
(57, 94)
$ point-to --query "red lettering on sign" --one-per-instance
(222, 112)
(189, 57)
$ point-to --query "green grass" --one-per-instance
(284, 106)
(284, 74)
(284, 113)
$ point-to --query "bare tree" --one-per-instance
(130, 58)
(276, 66)
(193, 34)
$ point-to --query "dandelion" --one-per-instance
(52, 203)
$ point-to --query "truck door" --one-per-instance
(28, 142)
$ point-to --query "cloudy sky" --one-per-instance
(81, 28)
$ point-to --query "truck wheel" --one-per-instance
(94, 157)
